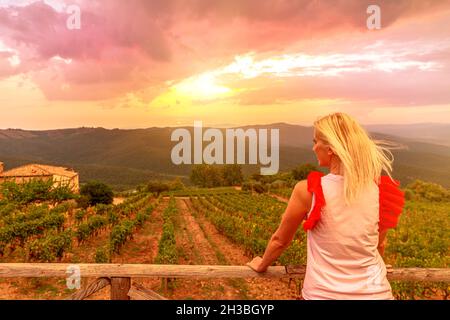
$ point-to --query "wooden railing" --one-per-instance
(119, 275)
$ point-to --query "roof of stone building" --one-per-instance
(38, 170)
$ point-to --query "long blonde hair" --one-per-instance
(362, 159)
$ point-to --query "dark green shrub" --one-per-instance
(82, 202)
(97, 192)
(157, 187)
(254, 186)
(258, 187)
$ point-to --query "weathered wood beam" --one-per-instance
(36, 270)
(138, 292)
(92, 288)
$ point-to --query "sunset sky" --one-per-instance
(145, 63)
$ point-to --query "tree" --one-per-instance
(302, 171)
(206, 176)
(232, 174)
(157, 187)
(97, 192)
(176, 184)
(254, 186)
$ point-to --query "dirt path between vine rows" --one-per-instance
(233, 254)
(141, 249)
(194, 249)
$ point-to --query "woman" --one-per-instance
(345, 227)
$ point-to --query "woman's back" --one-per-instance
(343, 260)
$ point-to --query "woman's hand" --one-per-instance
(255, 264)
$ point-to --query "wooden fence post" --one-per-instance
(120, 288)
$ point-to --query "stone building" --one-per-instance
(60, 175)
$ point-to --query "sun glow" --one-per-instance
(199, 88)
(202, 87)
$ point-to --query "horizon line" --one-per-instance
(231, 126)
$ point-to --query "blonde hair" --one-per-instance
(362, 158)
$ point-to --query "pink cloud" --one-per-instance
(131, 45)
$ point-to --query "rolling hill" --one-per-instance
(125, 158)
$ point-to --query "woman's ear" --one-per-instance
(330, 152)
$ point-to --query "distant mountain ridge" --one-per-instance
(126, 157)
(436, 133)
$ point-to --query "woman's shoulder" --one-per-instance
(302, 190)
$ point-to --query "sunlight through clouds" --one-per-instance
(203, 86)
(213, 84)
(298, 65)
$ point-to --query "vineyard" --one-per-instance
(44, 234)
(221, 226)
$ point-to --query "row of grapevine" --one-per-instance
(7, 208)
(250, 221)
(34, 212)
(120, 234)
(50, 247)
(124, 230)
(167, 250)
(133, 204)
(53, 246)
(91, 228)
(17, 234)
(45, 233)
(30, 223)
(109, 215)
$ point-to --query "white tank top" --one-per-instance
(343, 261)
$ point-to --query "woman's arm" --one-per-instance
(298, 206)
(382, 241)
